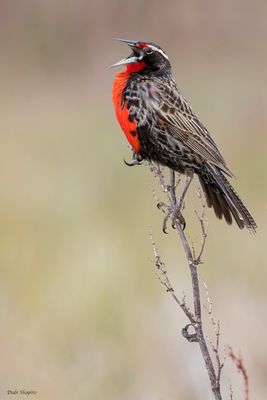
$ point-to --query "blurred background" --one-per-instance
(83, 315)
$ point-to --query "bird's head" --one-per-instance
(145, 56)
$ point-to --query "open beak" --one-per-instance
(125, 61)
(132, 59)
(129, 42)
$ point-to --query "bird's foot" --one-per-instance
(137, 160)
(173, 213)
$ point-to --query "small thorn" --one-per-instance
(161, 205)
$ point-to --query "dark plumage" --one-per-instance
(170, 133)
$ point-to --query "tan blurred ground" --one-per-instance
(82, 313)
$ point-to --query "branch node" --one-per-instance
(191, 337)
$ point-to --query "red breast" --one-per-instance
(129, 127)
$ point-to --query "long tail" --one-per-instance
(223, 198)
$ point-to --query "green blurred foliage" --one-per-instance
(82, 313)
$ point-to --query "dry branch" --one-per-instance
(173, 210)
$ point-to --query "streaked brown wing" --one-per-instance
(175, 112)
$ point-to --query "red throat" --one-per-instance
(135, 67)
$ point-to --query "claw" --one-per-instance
(137, 160)
(173, 213)
(181, 220)
(133, 163)
(164, 227)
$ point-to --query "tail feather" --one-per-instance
(225, 201)
(225, 209)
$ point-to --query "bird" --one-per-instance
(161, 127)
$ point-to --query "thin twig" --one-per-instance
(241, 368)
(204, 231)
(216, 327)
(231, 393)
(164, 279)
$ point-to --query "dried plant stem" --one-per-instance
(241, 368)
(195, 317)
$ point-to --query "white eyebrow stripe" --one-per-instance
(159, 50)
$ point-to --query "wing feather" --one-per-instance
(174, 111)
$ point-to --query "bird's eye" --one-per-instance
(149, 51)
